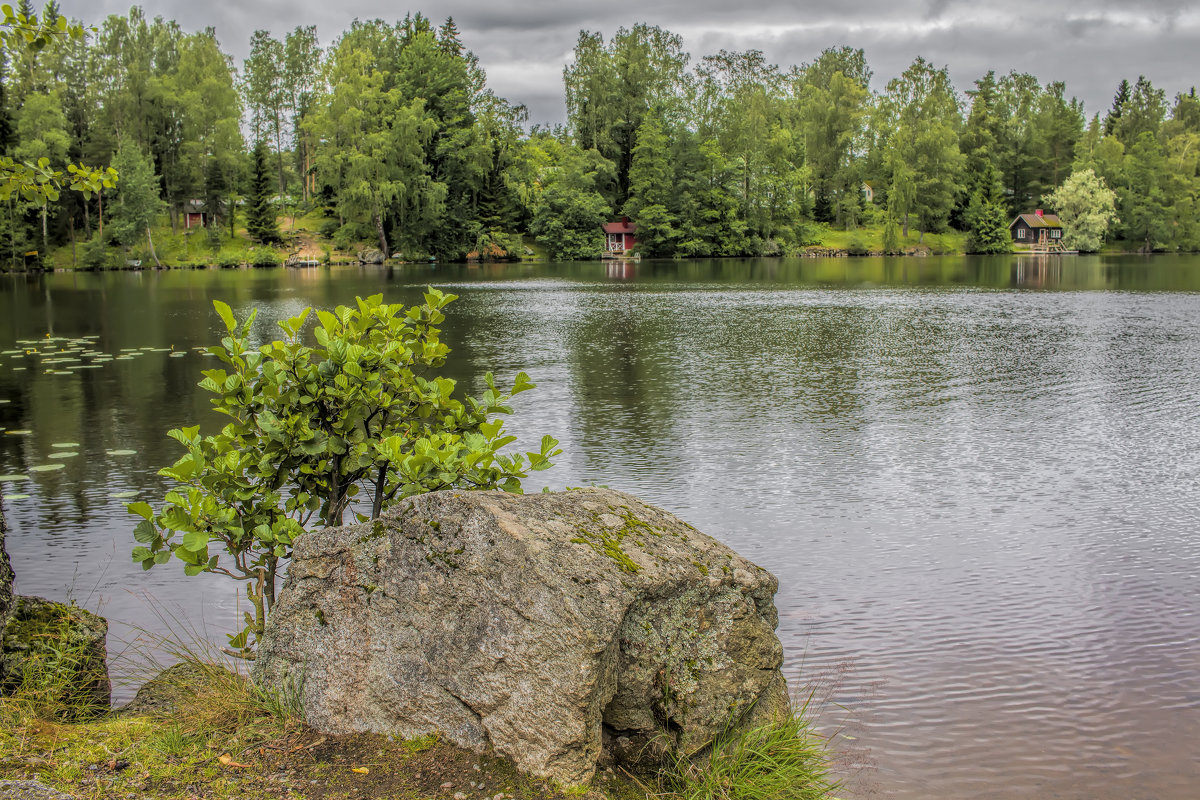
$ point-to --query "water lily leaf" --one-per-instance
(13, 478)
(123, 495)
(67, 454)
(46, 467)
(18, 433)
(65, 445)
(121, 452)
(17, 496)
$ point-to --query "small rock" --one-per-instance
(29, 790)
(459, 796)
(38, 632)
(447, 785)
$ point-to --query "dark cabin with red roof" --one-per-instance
(619, 237)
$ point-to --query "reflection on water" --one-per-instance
(975, 478)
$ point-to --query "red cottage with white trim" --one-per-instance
(619, 236)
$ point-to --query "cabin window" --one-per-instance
(1055, 234)
(1020, 233)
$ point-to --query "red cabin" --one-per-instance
(619, 236)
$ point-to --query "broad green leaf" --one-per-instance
(143, 510)
(145, 533)
(226, 314)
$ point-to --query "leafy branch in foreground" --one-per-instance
(311, 429)
(36, 180)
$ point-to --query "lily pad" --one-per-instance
(121, 452)
(13, 478)
(123, 495)
(4, 402)
(66, 445)
(18, 433)
(46, 467)
(17, 496)
(64, 454)
(178, 355)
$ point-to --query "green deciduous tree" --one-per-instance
(1086, 207)
(568, 209)
(921, 113)
(138, 203)
(651, 190)
(312, 429)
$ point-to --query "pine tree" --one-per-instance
(260, 218)
(1118, 108)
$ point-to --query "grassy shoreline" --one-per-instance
(204, 732)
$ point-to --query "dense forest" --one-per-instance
(390, 138)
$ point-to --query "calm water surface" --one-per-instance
(977, 480)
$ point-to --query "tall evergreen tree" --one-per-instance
(261, 222)
(1118, 108)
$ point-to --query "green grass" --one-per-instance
(780, 760)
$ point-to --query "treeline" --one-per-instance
(391, 132)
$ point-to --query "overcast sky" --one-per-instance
(1089, 44)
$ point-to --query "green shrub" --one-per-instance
(95, 254)
(857, 247)
(227, 259)
(349, 235)
(328, 228)
(264, 257)
(311, 429)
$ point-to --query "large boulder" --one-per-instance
(6, 575)
(57, 651)
(553, 629)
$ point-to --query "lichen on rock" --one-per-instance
(556, 630)
(57, 652)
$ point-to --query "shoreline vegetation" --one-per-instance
(198, 730)
(307, 250)
(387, 141)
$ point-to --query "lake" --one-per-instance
(978, 479)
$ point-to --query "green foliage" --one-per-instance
(33, 178)
(1086, 207)
(311, 429)
(137, 203)
(59, 669)
(264, 257)
(261, 222)
(987, 225)
(568, 210)
(650, 190)
(783, 759)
